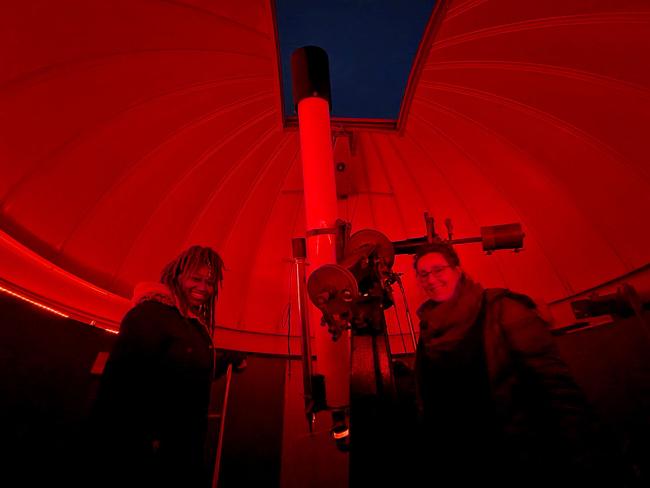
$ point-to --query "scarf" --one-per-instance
(444, 324)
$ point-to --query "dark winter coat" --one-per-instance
(529, 422)
(150, 416)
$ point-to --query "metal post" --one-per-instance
(299, 253)
(222, 423)
(408, 313)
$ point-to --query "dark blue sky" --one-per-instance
(371, 46)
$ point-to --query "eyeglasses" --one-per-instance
(435, 271)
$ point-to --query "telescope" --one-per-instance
(354, 295)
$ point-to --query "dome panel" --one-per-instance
(241, 245)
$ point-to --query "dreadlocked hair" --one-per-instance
(186, 263)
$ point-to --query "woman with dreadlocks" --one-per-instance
(151, 408)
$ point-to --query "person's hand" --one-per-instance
(237, 359)
(225, 358)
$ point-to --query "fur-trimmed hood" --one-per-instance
(152, 291)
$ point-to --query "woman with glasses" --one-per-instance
(497, 402)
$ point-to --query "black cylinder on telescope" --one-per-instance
(506, 236)
(310, 74)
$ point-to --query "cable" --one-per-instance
(399, 326)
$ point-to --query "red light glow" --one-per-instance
(341, 435)
(37, 304)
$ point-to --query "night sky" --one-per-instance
(371, 46)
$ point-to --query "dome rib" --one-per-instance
(372, 143)
(50, 159)
(450, 183)
(542, 23)
(250, 271)
(47, 73)
(462, 7)
(546, 69)
(190, 169)
(132, 168)
(535, 112)
(268, 134)
(603, 235)
(221, 17)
